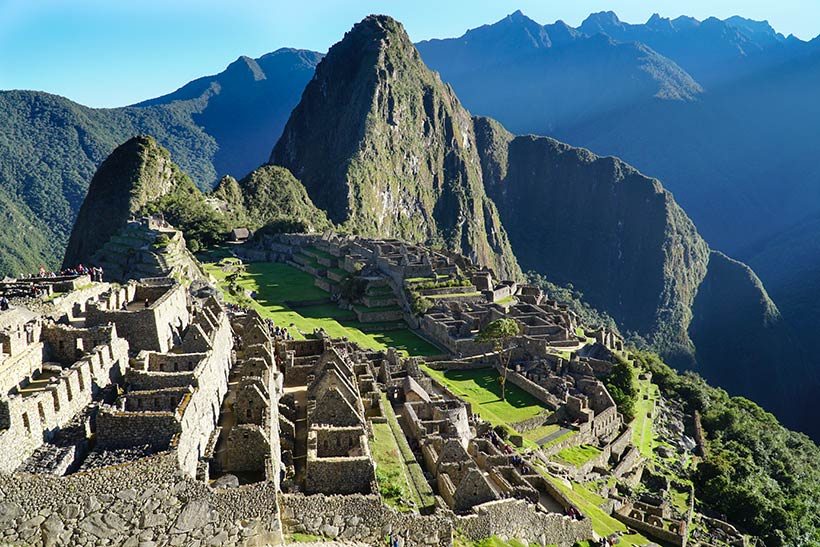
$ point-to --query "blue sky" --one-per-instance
(110, 52)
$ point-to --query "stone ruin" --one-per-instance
(115, 414)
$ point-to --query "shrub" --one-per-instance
(162, 241)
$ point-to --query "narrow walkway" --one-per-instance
(554, 435)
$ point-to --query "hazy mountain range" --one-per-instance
(721, 111)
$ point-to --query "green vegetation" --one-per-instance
(578, 455)
(270, 195)
(483, 390)
(540, 432)
(644, 412)
(423, 493)
(275, 284)
(460, 541)
(500, 333)
(621, 385)
(589, 503)
(574, 300)
(762, 476)
(394, 484)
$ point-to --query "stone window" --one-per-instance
(80, 379)
(42, 412)
(56, 397)
(26, 423)
(69, 395)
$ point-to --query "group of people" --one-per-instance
(277, 331)
(574, 513)
(607, 541)
(521, 463)
(95, 272)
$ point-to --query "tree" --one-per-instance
(500, 332)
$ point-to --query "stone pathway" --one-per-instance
(554, 435)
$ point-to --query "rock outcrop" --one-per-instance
(136, 173)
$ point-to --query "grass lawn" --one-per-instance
(578, 455)
(391, 474)
(482, 389)
(589, 504)
(276, 283)
(642, 425)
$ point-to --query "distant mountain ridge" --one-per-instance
(51, 146)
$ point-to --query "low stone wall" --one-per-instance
(364, 519)
(650, 530)
(457, 365)
(518, 519)
(547, 398)
(142, 503)
(529, 424)
(627, 463)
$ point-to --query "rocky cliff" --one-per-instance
(387, 150)
(135, 174)
(621, 240)
(599, 224)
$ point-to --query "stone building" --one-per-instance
(120, 389)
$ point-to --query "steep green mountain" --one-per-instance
(137, 173)
(387, 149)
(622, 241)
(598, 223)
(268, 194)
(50, 146)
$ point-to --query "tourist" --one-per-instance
(147, 303)
(4, 303)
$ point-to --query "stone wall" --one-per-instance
(201, 414)
(547, 398)
(30, 420)
(152, 328)
(67, 344)
(362, 519)
(145, 502)
(656, 532)
(511, 518)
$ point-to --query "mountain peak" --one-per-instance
(246, 65)
(134, 174)
(600, 21)
(658, 22)
(385, 147)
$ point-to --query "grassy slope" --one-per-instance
(578, 455)
(277, 283)
(394, 481)
(481, 388)
(644, 412)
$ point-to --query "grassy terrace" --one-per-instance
(395, 484)
(483, 391)
(590, 504)
(276, 283)
(644, 412)
(578, 455)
